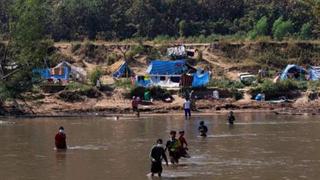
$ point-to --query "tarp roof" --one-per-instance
(160, 67)
(314, 73)
(120, 69)
(292, 68)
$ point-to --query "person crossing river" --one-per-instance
(173, 146)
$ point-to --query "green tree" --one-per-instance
(282, 30)
(306, 31)
(27, 47)
(182, 28)
(260, 29)
(262, 26)
(276, 23)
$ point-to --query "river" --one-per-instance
(259, 146)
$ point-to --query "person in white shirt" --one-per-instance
(186, 107)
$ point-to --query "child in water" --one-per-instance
(156, 155)
(203, 129)
(231, 118)
(173, 147)
(184, 145)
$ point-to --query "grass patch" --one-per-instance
(225, 84)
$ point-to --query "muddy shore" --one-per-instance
(203, 107)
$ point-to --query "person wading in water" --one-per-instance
(60, 139)
(184, 145)
(203, 129)
(173, 147)
(231, 118)
(157, 154)
(187, 108)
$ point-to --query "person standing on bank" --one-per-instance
(231, 118)
(157, 154)
(135, 105)
(187, 108)
(60, 139)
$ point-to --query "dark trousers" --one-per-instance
(187, 112)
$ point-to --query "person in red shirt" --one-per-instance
(60, 139)
(184, 145)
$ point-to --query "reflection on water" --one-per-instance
(258, 146)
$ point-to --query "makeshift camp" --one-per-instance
(177, 52)
(63, 71)
(120, 69)
(158, 67)
(314, 73)
(173, 74)
(200, 78)
(293, 71)
(165, 81)
(180, 52)
(75, 73)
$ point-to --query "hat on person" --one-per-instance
(181, 132)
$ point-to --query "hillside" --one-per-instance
(225, 60)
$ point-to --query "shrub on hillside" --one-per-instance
(225, 84)
(95, 75)
(272, 90)
(157, 93)
(306, 31)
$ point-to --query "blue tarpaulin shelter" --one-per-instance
(293, 70)
(61, 73)
(122, 71)
(200, 80)
(158, 67)
(314, 73)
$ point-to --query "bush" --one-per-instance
(157, 93)
(236, 94)
(123, 83)
(272, 90)
(95, 75)
(112, 58)
(138, 49)
(77, 86)
(225, 84)
(260, 29)
(282, 29)
(306, 31)
(75, 47)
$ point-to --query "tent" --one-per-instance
(158, 67)
(120, 69)
(63, 71)
(200, 79)
(76, 73)
(293, 71)
(54, 73)
(314, 73)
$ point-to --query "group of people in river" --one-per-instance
(176, 148)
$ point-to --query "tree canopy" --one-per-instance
(121, 19)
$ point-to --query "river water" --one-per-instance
(259, 146)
